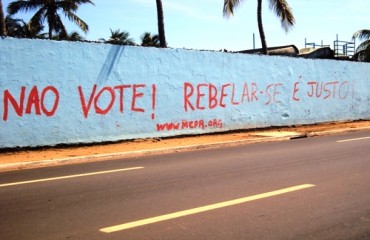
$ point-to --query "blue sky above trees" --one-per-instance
(201, 25)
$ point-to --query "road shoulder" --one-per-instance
(34, 158)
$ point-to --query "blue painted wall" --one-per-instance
(65, 92)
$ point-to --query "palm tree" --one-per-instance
(149, 40)
(161, 33)
(15, 27)
(73, 36)
(363, 50)
(2, 20)
(49, 10)
(120, 38)
(19, 29)
(280, 7)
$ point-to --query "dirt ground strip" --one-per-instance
(30, 155)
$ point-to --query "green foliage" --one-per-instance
(120, 38)
(363, 50)
(73, 36)
(48, 11)
(149, 40)
(19, 29)
(281, 9)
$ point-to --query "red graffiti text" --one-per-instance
(115, 95)
(328, 90)
(189, 124)
(40, 102)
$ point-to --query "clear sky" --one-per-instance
(199, 24)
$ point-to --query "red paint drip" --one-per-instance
(154, 92)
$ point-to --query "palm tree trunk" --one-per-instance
(161, 33)
(2, 20)
(260, 27)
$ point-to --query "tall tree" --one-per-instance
(161, 33)
(363, 50)
(2, 20)
(48, 10)
(280, 7)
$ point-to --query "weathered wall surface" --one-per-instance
(63, 92)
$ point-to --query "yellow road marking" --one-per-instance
(201, 209)
(353, 139)
(70, 176)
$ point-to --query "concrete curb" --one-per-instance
(330, 132)
(150, 152)
(140, 153)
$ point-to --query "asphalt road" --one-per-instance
(312, 188)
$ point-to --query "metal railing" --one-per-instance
(341, 48)
(344, 48)
(314, 45)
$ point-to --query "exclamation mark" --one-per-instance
(154, 92)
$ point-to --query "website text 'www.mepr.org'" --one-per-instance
(189, 124)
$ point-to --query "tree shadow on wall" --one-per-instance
(113, 57)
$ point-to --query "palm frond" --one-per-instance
(78, 21)
(284, 12)
(15, 27)
(26, 6)
(120, 38)
(20, 29)
(364, 45)
(362, 34)
(35, 31)
(67, 6)
(49, 10)
(75, 36)
(59, 26)
(229, 6)
(363, 56)
(149, 40)
(72, 5)
(80, 2)
(39, 18)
